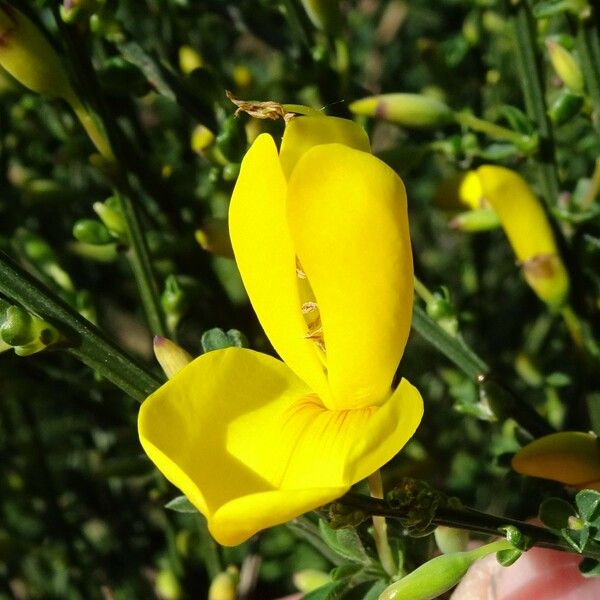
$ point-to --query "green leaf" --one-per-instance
(181, 504)
(331, 591)
(589, 567)
(508, 557)
(588, 505)
(554, 513)
(345, 571)
(344, 542)
(577, 538)
(558, 379)
(367, 590)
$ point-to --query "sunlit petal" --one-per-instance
(267, 260)
(252, 447)
(302, 133)
(348, 219)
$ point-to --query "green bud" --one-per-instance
(231, 171)
(40, 254)
(439, 574)
(29, 57)
(324, 14)
(85, 306)
(16, 328)
(566, 66)
(449, 539)
(103, 25)
(111, 214)
(481, 219)
(91, 231)
(565, 107)
(308, 580)
(26, 333)
(174, 300)
(409, 110)
(106, 253)
(167, 585)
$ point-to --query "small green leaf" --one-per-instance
(558, 379)
(508, 557)
(366, 590)
(331, 591)
(554, 513)
(589, 567)
(181, 504)
(344, 542)
(578, 538)
(344, 571)
(588, 505)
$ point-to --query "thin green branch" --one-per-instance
(86, 342)
(470, 520)
(588, 46)
(530, 70)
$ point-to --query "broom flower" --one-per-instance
(320, 236)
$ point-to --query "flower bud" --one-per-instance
(308, 580)
(529, 232)
(224, 585)
(189, 59)
(439, 574)
(570, 457)
(202, 138)
(175, 301)
(90, 231)
(167, 585)
(449, 539)
(26, 333)
(324, 14)
(409, 110)
(472, 221)
(566, 66)
(111, 214)
(171, 357)
(29, 57)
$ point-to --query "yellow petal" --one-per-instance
(571, 457)
(302, 133)
(519, 210)
(348, 219)
(267, 261)
(528, 231)
(251, 447)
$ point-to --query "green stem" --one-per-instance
(530, 69)
(453, 348)
(491, 129)
(141, 264)
(380, 528)
(588, 47)
(88, 343)
(470, 520)
(422, 290)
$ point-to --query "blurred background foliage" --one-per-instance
(82, 510)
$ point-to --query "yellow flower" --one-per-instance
(523, 219)
(321, 238)
(570, 457)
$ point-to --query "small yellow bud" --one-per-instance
(171, 357)
(167, 585)
(29, 57)
(224, 585)
(324, 14)
(571, 457)
(308, 580)
(242, 76)
(566, 66)
(409, 110)
(202, 138)
(189, 59)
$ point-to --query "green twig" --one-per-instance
(588, 46)
(530, 70)
(470, 520)
(87, 342)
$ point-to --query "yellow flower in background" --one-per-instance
(570, 457)
(523, 219)
(320, 235)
